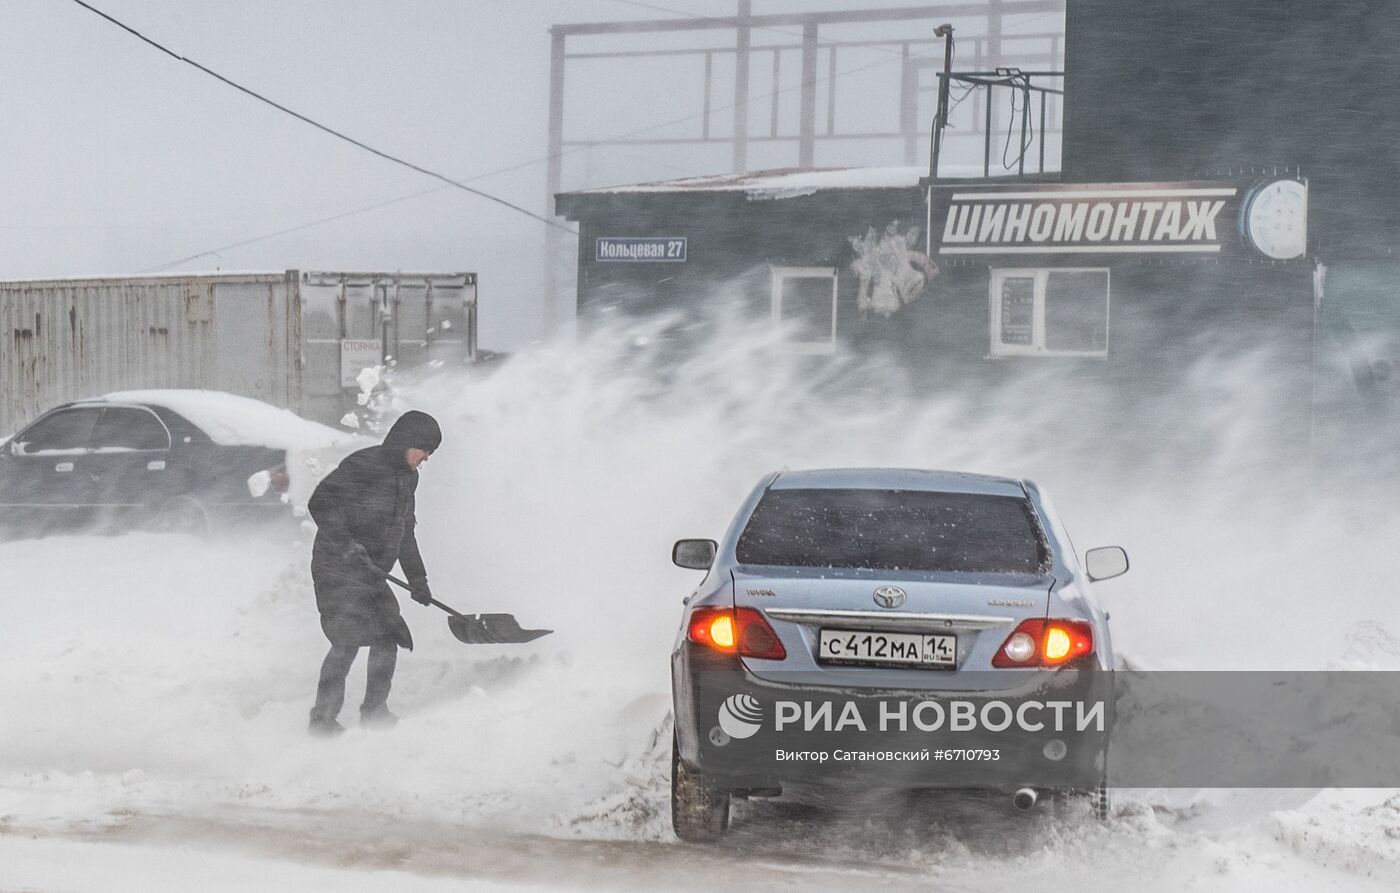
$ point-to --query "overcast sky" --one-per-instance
(116, 158)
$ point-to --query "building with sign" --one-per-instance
(1197, 217)
(783, 239)
(1116, 288)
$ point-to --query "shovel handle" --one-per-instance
(432, 601)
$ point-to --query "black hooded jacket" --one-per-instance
(368, 501)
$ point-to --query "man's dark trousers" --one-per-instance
(330, 692)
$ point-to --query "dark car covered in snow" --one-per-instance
(171, 460)
(867, 630)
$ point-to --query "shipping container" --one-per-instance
(294, 339)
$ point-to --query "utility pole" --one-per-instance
(940, 118)
(807, 124)
(741, 88)
(555, 247)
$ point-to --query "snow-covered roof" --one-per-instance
(781, 183)
(791, 182)
(232, 420)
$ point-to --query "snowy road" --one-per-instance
(973, 848)
(148, 745)
(369, 845)
(154, 688)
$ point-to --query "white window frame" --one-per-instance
(779, 275)
(1037, 347)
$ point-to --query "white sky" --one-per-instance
(115, 158)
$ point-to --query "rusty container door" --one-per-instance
(292, 339)
(65, 340)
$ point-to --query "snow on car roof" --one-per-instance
(898, 479)
(232, 420)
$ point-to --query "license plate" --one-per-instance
(848, 646)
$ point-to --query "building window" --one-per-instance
(804, 305)
(1050, 312)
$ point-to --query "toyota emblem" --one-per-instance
(889, 596)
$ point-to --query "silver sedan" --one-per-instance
(851, 619)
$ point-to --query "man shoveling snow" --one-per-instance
(364, 514)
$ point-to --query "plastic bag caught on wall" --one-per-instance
(892, 271)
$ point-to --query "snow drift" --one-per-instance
(160, 674)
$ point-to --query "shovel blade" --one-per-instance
(492, 629)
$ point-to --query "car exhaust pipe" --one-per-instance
(1024, 798)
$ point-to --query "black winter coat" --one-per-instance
(369, 500)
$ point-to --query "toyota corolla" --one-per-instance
(890, 628)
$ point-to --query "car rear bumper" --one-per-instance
(787, 735)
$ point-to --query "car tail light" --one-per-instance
(736, 630)
(756, 637)
(279, 480)
(721, 630)
(705, 622)
(1045, 643)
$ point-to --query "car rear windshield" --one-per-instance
(914, 530)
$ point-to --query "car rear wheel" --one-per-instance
(1066, 802)
(181, 515)
(1101, 801)
(699, 810)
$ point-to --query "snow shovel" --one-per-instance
(482, 629)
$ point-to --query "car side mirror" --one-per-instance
(696, 555)
(1105, 563)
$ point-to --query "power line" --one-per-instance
(322, 127)
(1024, 22)
(797, 34)
(540, 160)
(334, 217)
(446, 180)
(682, 12)
(291, 229)
(1010, 11)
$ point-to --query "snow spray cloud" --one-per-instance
(567, 473)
